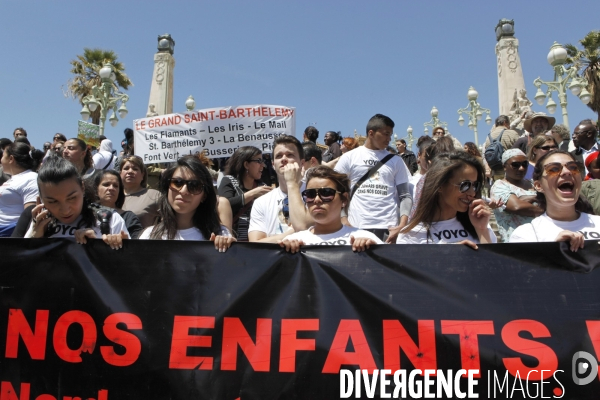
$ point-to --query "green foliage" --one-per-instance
(587, 59)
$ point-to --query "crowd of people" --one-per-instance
(343, 193)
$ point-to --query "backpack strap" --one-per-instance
(109, 161)
(370, 173)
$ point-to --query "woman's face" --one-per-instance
(182, 201)
(108, 191)
(343, 148)
(329, 139)
(73, 153)
(64, 200)
(324, 212)
(545, 148)
(516, 168)
(255, 167)
(560, 188)
(131, 175)
(450, 198)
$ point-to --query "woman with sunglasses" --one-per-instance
(64, 208)
(451, 209)
(139, 199)
(515, 193)
(108, 187)
(557, 181)
(188, 206)
(242, 184)
(325, 196)
(539, 146)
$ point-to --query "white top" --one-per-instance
(340, 238)
(117, 224)
(546, 229)
(185, 234)
(442, 232)
(267, 215)
(375, 203)
(20, 189)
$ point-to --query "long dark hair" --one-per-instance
(56, 170)
(205, 218)
(581, 205)
(97, 179)
(88, 162)
(235, 164)
(24, 156)
(472, 149)
(437, 176)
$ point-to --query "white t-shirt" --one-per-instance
(442, 232)
(101, 159)
(185, 234)
(267, 213)
(546, 229)
(375, 203)
(20, 189)
(117, 224)
(340, 238)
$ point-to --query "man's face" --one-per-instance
(539, 125)
(583, 134)
(380, 139)
(401, 147)
(19, 133)
(438, 133)
(284, 154)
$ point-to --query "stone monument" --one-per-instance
(511, 85)
(161, 90)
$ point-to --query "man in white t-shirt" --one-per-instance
(281, 211)
(382, 203)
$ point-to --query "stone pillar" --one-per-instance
(161, 90)
(510, 73)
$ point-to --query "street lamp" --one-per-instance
(474, 112)
(409, 137)
(557, 58)
(435, 122)
(106, 97)
(190, 103)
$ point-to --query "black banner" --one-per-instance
(178, 320)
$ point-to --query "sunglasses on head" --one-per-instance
(517, 165)
(555, 168)
(325, 194)
(465, 186)
(193, 186)
(546, 148)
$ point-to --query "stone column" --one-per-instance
(161, 90)
(510, 73)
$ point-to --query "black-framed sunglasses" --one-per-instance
(465, 186)
(325, 194)
(555, 168)
(546, 148)
(584, 132)
(517, 165)
(194, 186)
(259, 161)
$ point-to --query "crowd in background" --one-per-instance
(345, 192)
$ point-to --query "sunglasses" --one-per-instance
(326, 194)
(546, 148)
(584, 132)
(259, 161)
(465, 186)
(555, 168)
(195, 187)
(517, 165)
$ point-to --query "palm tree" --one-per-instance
(588, 59)
(85, 70)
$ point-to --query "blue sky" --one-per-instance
(338, 63)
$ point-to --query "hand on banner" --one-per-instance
(361, 244)
(115, 241)
(468, 243)
(479, 214)
(575, 239)
(222, 243)
(291, 246)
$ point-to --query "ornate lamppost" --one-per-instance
(409, 137)
(474, 112)
(562, 76)
(106, 97)
(190, 103)
(435, 121)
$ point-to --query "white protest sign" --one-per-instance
(216, 131)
